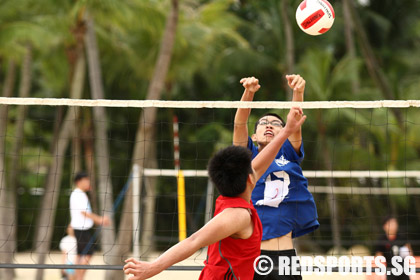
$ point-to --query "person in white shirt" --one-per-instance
(82, 220)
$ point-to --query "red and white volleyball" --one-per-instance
(315, 17)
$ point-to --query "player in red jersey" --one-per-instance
(234, 233)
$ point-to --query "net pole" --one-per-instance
(136, 210)
(182, 220)
(209, 202)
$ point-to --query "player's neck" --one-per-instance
(261, 146)
(391, 236)
(246, 195)
(80, 188)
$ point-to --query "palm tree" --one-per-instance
(323, 80)
(290, 48)
(372, 64)
(45, 224)
(101, 143)
(24, 90)
(18, 33)
(7, 199)
(216, 28)
(350, 41)
(147, 119)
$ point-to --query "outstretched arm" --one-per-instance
(98, 220)
(262, 161)
(240, 130)
(227, 223)
(297, 83)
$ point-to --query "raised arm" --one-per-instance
(265, 157)
(240, 130)
(297, 83)
(227, 223)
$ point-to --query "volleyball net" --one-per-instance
(362, 161)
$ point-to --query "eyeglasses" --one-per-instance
(273, 123)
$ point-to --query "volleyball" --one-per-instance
(315, 17)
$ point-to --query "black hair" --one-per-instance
(388, 218)
(80, 175)
(269, 114)
(229, 169)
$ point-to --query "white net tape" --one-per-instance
(309, 174)
(209, 104)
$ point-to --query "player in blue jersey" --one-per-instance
(284, 204)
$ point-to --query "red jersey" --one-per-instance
(233, 259)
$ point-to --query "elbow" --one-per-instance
(194, 239)
(241, 144)
(240, 124)
(195, 242)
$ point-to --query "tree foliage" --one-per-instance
(217, 43)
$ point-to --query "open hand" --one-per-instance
(140, 270)
(106, 221)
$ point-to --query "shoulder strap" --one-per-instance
(234, 202)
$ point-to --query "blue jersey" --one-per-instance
(281, 196)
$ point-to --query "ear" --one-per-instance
(251, 179)
(254, 137)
